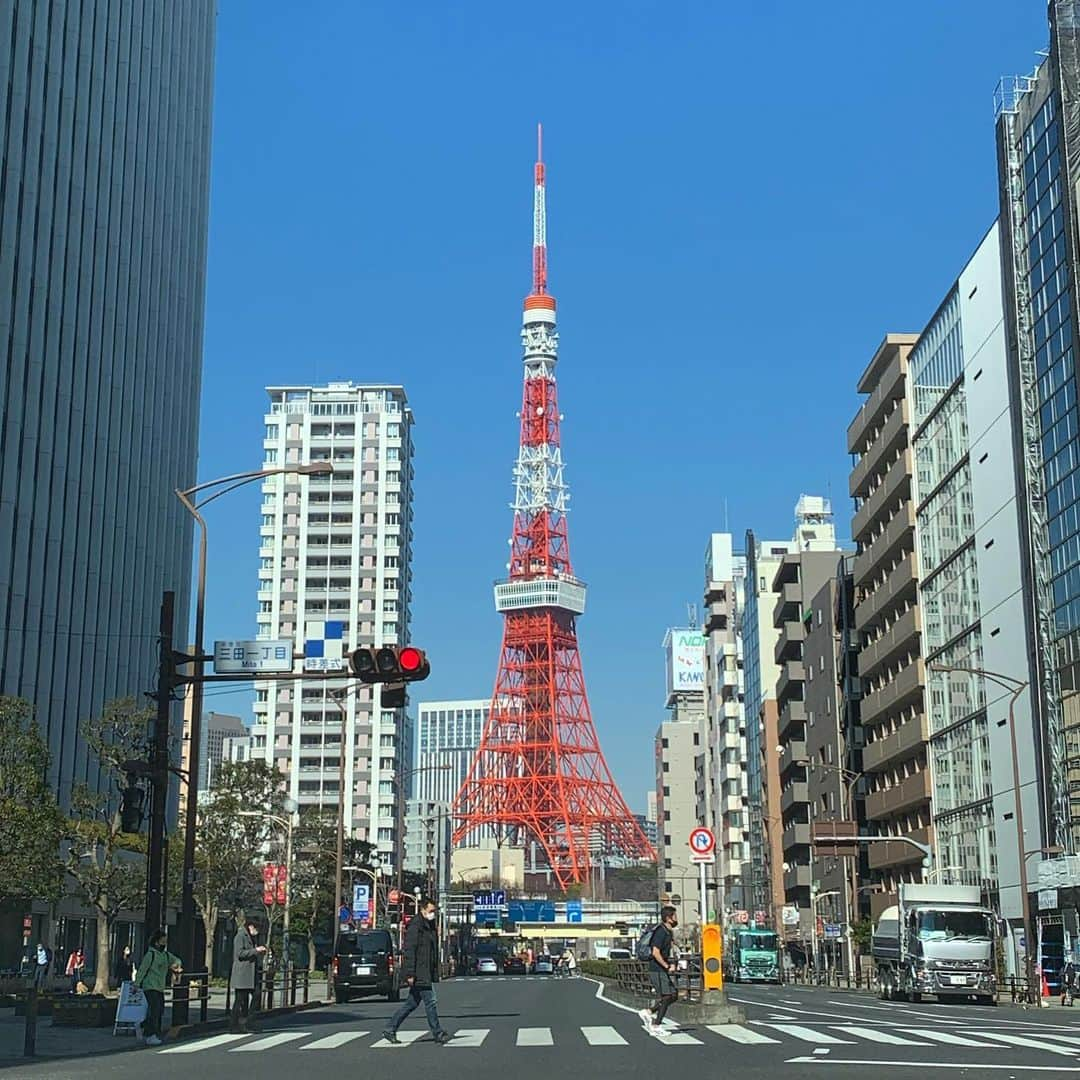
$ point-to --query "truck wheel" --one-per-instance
(340, 997)
(986, 999)
(916, 997)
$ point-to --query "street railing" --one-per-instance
(191, 986)
(277, 988)
(634, 977)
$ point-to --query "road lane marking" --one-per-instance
(874, 1035)
(1030, 1044)
(203, 1044)
(270, 1041)
(607, 1001)
(404, 1037)
(535, 1037)
(603, 1036)
(674, 1036)
(811, 1060)
(469, 1037)
(332, 1042)
(947, 1037)
(738, 1033)
(1071, 1040)
(809, 1035)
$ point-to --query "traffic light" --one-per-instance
(131, 809)
(712, 957)
(390, 664)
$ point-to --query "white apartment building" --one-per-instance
(337, 549)
(447, 736)
(724, 732)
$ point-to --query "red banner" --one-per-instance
(273, 884)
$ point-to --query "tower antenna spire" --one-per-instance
(539, 219)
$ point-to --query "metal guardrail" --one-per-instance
(186, 988)
(634, 977)
(277, 988)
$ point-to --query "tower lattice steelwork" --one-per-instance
(539, 773)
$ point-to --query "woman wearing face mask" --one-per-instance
(420, 970)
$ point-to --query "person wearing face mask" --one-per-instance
(420, 970)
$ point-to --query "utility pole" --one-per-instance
(159, 772)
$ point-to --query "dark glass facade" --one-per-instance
(104, 173)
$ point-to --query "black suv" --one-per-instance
(364, 966)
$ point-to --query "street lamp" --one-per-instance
(1015, 687)
(191, 502)
(290, 808)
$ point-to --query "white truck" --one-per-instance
(939, 939)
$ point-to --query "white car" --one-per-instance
(543, 965)
(486, 966)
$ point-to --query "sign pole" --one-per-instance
(704, 898)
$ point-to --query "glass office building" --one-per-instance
(104, 174)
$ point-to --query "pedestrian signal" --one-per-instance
(390, 664)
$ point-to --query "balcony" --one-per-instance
(898, 588)
(797, 834)
(794, 751)
(909, 793)
(902, 745)
(788, 606)
(905, 689)
(890, 386)
(797, 877)
(795, 794)
(792, 715)
(899, 535)
(883, 856)
(790, 681)
(789, 643)
(895, 488)
(899, 640)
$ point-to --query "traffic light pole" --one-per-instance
(159, 773)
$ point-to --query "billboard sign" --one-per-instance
(685, 660)
(574, 911)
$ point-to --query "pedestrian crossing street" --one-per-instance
(751, 1034)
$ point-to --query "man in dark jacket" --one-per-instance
(420, 970)
(242, 979)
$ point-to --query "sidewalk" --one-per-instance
(62, 1042)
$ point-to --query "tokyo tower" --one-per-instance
(538, 774)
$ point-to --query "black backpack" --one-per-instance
(643, 949)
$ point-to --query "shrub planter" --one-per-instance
(85, 1010)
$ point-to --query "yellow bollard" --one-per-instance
(712, 957)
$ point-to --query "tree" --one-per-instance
(314, 888)
(31, 825)
(229, 845)
(632, 883)
(108, 865)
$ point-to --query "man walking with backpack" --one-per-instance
(661, 972)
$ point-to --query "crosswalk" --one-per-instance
(753, 1033)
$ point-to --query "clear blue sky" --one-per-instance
(743, 199)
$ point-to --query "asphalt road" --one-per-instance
(529, 1028)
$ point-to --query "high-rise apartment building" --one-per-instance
(971, 585)
(797, 585)
(1038, 140)
(887, 617)
(760, 672)
(724, 731)
(447, 735)
(427, 843)
(104, 173)
(678, 750)
(215, 729)
(336, 556)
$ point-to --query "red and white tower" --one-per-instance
(539, 773)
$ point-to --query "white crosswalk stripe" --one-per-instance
(270, 1041)
(332, 1042)
(404, 1038)
(1070, 1039)
(1027, 1043)
(947, 1037)
(535, 1037)
(202, 1044)
(602, 1036)
(738, 1033)
(876, 1035)
(469, 1037)
(818, 1038)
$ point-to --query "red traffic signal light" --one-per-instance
(390, 664)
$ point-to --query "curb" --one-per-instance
(187, 1031)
